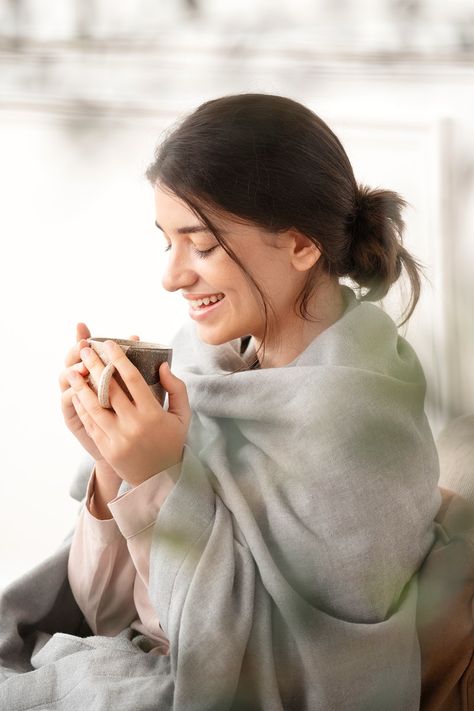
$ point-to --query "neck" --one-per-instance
(295, 334)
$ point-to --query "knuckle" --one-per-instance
(135, 432)
(95, 363)
(95, 371)
(116, 354)
(96, 411)
(134, 377)
(89, 430)
(93, 356)
(95, 368)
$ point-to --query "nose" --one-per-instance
(177, 275)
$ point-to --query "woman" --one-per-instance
(255, 544)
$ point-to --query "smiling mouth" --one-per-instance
(201, 311)
(198, 306)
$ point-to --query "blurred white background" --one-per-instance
(88, 87)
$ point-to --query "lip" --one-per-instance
(193, 297)
(198, 314)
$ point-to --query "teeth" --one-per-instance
(206, 301)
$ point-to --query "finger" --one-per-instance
(131, 376)
(178, 401)
(73, 354)
(66, 402)
(79, 367)
(70, 413)
(118, 399)
(100, 419)
(82, 331)
(134, 338)
(89, 425)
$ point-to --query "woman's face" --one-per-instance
(266, 257)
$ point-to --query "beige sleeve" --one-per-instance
(101, 572)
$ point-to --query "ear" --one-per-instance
(302, 251)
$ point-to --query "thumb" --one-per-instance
(178, 402)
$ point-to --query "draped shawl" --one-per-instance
(283, 563)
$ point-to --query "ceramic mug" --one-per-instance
(145, 356)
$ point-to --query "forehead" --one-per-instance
(167, 202)
(173, 214)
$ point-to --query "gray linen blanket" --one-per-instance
(283, 563)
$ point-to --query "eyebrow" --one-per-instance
(187, 230)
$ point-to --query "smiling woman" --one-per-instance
(272, 256)
(231, 176)
(255, 545)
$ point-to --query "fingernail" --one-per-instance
(85, 353)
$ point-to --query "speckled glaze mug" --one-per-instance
(145, 356)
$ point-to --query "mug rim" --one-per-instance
(140, 345)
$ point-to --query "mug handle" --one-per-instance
(103, 387)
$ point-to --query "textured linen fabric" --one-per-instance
(108, 565)
(283, 561)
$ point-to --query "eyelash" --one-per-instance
(201, 254)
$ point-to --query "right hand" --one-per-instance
(71, 418)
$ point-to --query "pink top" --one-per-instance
(108, 566)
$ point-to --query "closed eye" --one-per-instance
(202, 254)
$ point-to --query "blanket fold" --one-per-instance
(283, 563)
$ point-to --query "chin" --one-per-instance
(212, 340)
(215, 339)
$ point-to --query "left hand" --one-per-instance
(138, 439)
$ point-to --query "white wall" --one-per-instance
(78, 244)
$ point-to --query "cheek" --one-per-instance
(229, 277)
(239, 287)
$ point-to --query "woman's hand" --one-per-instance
(137, 438)
(73, 422)
(73, 362)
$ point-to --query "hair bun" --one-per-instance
(377, 253)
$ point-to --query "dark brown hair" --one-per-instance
(271, 161)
